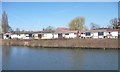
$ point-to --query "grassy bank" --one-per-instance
(70, 43)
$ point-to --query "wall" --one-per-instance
(81, 43)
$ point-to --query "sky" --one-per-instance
(60, 0)
(39, 15)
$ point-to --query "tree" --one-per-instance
(17, 30)
(23, 31)
(5, 26)
(49, 28)
(115, 23)
(0, 27)
(77, 23)
(86, 28)
(94, 26)
(110, 26)
(10, 29)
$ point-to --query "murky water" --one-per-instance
(25, 58)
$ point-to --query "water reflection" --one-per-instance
(26, 58)
(6, 51)
(0, 58)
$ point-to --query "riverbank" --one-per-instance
(63, 43)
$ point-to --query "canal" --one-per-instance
(0, 58)
(26, 58)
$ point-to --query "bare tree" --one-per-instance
(0, 27)
(49, 28)
(94, 26)
(17, 30)
(115, 23)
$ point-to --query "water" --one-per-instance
(0, 58)
(25, 58)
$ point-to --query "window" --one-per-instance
(30, 35)
(7, 35)
(87, 33)
(67, 34)
(27, 36)
(75, 33)
(59, 35)
(100, 33)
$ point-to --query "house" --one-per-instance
(85, 34)
(14, 36)
(25, 36)
(71, 34)
(67, 35)
(20, 36)
(99, 33)
(57, 35)
(7, 36)
(47, 36)
(88, 34)
(37, 36)
(43, 35)
(60, 32)
(64, 33)
(112, 33)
